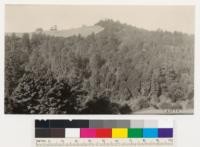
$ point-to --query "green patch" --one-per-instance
(135, 133)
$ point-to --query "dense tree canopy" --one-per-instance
(121, 69)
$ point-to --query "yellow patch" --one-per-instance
(119, 133)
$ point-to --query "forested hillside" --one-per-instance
(120, 70)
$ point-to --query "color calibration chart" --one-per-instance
(108, 133)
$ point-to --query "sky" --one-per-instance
(26, 18)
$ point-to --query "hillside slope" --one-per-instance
(120, 69)
(83, 31)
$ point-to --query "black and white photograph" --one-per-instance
(99, 59)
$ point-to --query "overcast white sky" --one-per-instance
(26, 18)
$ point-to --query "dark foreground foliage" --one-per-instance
(119, 70)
